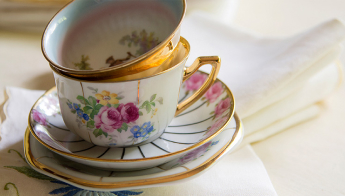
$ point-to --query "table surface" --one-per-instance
(307, 159)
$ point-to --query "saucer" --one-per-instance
(198, 125)
(179, 170)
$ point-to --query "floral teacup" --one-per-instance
(104, 39)
(119, 114)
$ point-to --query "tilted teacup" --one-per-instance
(104, 39)
(126, 113)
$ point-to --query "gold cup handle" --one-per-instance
(189, 71)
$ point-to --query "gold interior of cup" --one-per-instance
(180, 53)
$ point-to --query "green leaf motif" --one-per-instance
(116, 105)
(87, 109)
(93, 113)
(92, 101)
(153, 104)
(148, 108)
(28, 171)
(15, 187)
(160, 100)
(73, 111)
(124, 126)
(144, 104)
(98, 106)
(90, 124)
(105, 134)
(140, 113)
(119, 130)
(20, 155)
(97, 132)
(153, 97)
(83, 100)
(108, 105)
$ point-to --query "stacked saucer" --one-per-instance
(193, 141)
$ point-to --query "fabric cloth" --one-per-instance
(231, 176)
(271, 78)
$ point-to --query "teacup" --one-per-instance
(104, 39)
(126, 113)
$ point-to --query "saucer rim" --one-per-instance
(107, 186)
(232, 111)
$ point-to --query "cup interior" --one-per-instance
(97, 34)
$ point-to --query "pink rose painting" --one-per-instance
(104, 114)
(195, 81)
(109, 118)
(216, 126)
(214, 92)
(129, 112)
(39, 117)
(222, 106)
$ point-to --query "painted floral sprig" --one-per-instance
(83, 65)
(150, 104)
(145, 41)
(103, 114)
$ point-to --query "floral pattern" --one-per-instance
(193, 155)
(195, 81)
(39, 117)
(215, 126)
(222, 106)
(65, 189)
(142, 39)
(145, 42)
(144, 131)
(214, 92)
(105, 98)
(103, 114)
(83, 65)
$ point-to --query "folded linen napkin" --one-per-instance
(240, 173)
(271, 78)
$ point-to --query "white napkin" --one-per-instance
(240, 173)
(272, 79)
(256, 68)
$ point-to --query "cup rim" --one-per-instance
(232, 113)
(182, 41)
(137, 60)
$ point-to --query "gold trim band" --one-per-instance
(232, 112)
(126, 184)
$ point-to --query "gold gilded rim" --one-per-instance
(135, 183)
(183, 41)
(106, 73)
(232, 112)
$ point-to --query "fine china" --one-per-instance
(176, 171)
(127, 113)
(96, 40)
(191, 129)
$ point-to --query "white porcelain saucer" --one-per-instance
(85, 177)
(198, 125)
